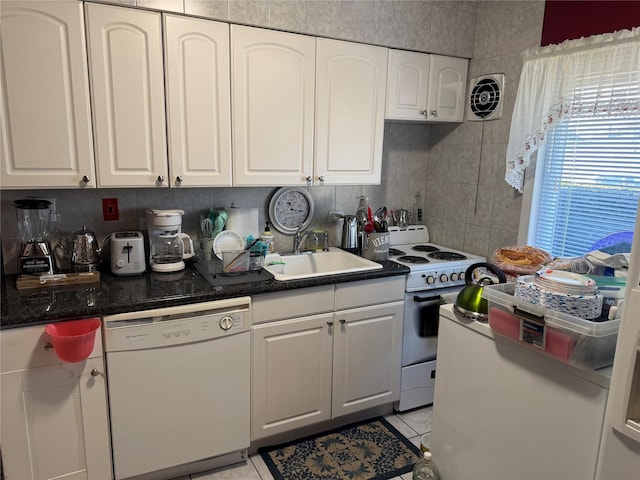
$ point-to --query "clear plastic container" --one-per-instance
(579, 342)
(425, 468)
(236, 261)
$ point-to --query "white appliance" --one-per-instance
(127, 253)
(168, 246)
(179, 388)
(503, 411)
(436, 277)
(619, 456)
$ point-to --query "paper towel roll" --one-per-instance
(243, 221)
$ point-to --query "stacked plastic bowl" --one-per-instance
(565, 292)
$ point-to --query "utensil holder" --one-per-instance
(376, 246)
(235, 261)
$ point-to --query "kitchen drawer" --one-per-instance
(369, 292)
(23, 348)
(292, 304)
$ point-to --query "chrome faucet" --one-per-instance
(299, 239)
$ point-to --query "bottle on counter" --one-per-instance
(267, 237)
(425, 468)
(417, 209)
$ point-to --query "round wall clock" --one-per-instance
(291, 209)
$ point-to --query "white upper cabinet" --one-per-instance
(44, 102)
(351, 84)
(407, 86)
(447, 88)
(273, 77)
(127, 91)
(426, 88)
(198, 101)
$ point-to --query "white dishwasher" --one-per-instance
(179, 388)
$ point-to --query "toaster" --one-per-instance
(127, 253)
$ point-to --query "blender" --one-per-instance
(33, 216)
(168, 245)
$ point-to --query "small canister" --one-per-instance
(376, 246)
(350, 234)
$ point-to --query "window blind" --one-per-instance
(590, 182)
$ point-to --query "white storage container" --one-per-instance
(579, 342)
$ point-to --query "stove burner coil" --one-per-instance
(440, 255)
(413, 259)
(425, 248)
(395, 252)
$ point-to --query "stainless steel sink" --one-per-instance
(317, 264)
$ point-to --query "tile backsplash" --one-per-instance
(457, 168)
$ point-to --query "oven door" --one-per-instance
(421, 315)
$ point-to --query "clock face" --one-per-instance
(291, 209)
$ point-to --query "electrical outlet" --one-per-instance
(335, 215)
(110, 209)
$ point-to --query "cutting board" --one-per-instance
(243, 221)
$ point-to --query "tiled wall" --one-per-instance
(469, 206)
(440, 162)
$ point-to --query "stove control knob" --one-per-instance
(461, 275)
(444, 277)
(454, 277)
(431, 280)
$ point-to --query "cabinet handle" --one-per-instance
(330, 323)
(342, 321)
(434, 113)
(424, 113)
(95, 372)
(48, 346)
(85, 179)
(308, 179)
(160, 179)
(179, 179)
(321, 179)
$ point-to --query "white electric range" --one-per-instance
(437, 275)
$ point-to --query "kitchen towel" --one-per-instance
(243, 221)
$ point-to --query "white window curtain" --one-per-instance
(598, 75)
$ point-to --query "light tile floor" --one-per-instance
(412, 425)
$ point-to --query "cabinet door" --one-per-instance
(351, 87)
(407, 86)
(44, 102)
(447, 88)
(54, 422)
(367, 357)
(127, 92)
(198, 101)
(273, 75)
(291, 374)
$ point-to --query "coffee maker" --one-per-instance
(168, 246)
(33, 216)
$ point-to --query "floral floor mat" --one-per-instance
(371, 450)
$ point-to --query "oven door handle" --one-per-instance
(432, 299)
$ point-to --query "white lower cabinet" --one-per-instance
(54, 414)
(324, 353)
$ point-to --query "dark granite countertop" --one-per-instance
(150, 290)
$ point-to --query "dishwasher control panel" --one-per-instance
(175, 325)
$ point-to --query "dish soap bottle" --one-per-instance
(267, 237)
(425, 468)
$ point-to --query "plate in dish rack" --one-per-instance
(227, 241)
